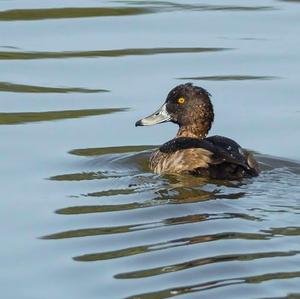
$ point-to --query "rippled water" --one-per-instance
(82, 216)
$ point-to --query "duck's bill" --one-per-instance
(159, 116)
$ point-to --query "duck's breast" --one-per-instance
(181, 161)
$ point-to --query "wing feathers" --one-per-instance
(215, 156)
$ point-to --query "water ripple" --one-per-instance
(229, 78)
(13, 118)
(136, 250)
(69, 12)
(19, 55)
(24, 88)
(181, 218)
(168, 293)
(146, 7)
(204, 261)
(175, 6)
(187, 219)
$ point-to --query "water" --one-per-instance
(81, 214)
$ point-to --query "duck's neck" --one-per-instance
(199, 132)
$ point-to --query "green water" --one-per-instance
(82, 216)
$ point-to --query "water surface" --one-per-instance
(82, 215)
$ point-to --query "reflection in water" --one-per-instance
(136, 191)
(79, 233)
(69, 12)
(139, 8)
(189, 219)
(101, 209)
(110, 150)
(284, 231)
(18, 55)
(12, 87)
(81, 176)
(229, 78)
(26, 117)
(166, 246)
(205, 261)
(174, 6)
(217, 284)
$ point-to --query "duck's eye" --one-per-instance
(181, 101)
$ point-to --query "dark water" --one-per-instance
(81, 214)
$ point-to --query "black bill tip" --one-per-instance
(139, 123)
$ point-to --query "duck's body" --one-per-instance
(191, 152)
(216, 157)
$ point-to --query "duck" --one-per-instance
(191, 151)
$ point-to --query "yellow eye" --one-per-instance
(181, 101)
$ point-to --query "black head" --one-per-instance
(186, 105)
(189, 105)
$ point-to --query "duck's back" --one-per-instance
(216, 157)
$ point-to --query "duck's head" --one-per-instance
(188, 106)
